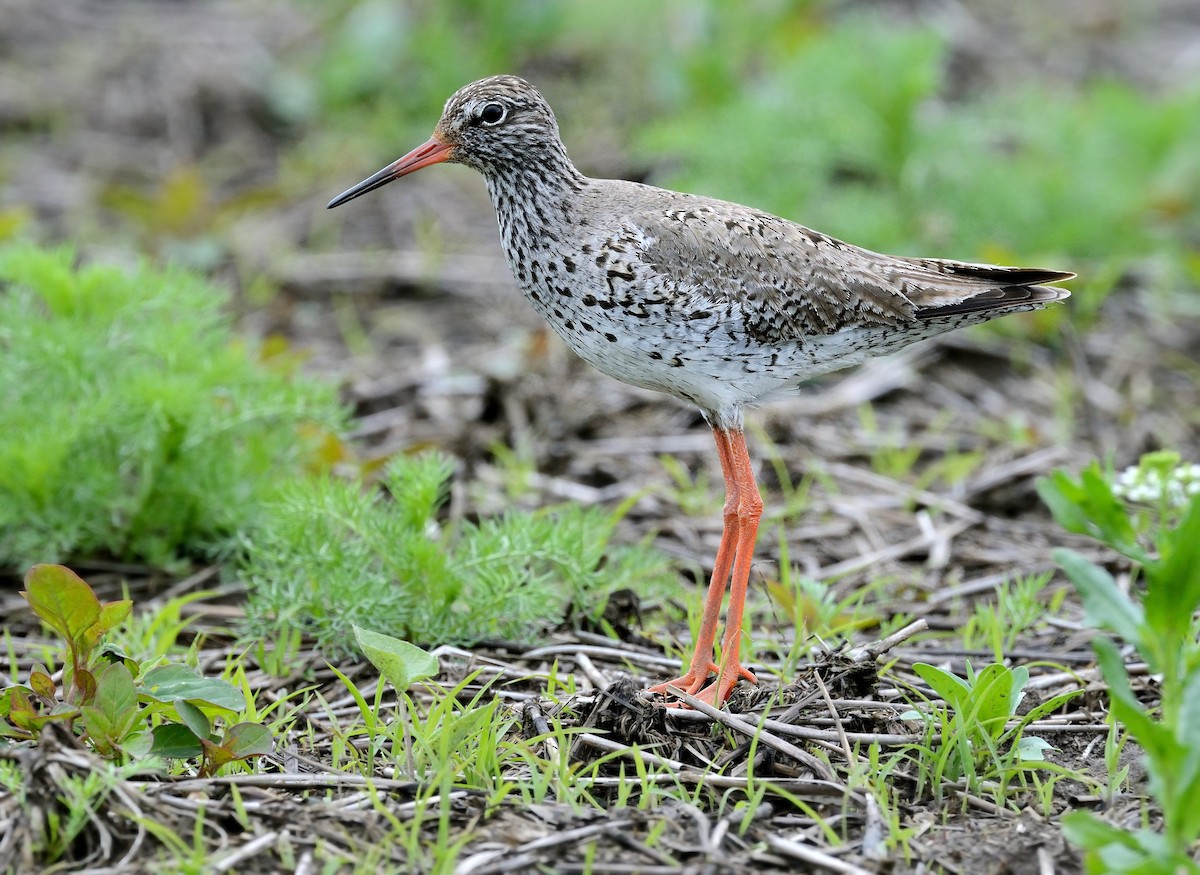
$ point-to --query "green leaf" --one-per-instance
(112, 614)
(117, 697)
(952, 689)
(138, 744)
(170, 682)
(244, 740)
(1088, 507)
(1039, 711)
(1065, 498)
(114, 710)
(1126, 708)
(62, 600)
(1032, 749)
(20, 708)
(84, 687)
(99, 728)
(1086, 830)
(1183, 810)
(42, 684)
(175, 741)
(993, 698)
(24, 715)
(403, 664)
(1173, 584)
(1106, 606)
(193, 718)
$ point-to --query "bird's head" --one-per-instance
(491, 125)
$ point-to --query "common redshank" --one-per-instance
(715, 303)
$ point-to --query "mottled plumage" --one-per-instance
(713, 302)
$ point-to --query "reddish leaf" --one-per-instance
(42, 684)
(84, 687)
(245, 740)
(61, 598)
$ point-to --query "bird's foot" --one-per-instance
(693, 682)
(690, 683)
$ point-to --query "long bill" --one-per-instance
(432, 152)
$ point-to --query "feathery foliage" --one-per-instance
(135, 425)
(333, 554)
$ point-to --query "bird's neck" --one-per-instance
(533, 199)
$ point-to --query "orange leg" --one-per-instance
(743, 508)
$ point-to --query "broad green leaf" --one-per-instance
(63, 601)
(117, 698)
(248, 740)
(7, 730)
(1086, 830)
(99, 729)
(1032, 749)
(175, 741)
(993, 698)
(403, 664)
(949, 687)
(1106, 606)
(19, 706)
(138, 744)
(1173, 592)
(1153, 738)
(24, 715)
(112, 614)
(170, 682)
(193, 718)
(7, 694)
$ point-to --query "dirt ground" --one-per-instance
(443, 351)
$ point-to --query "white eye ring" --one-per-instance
(493, 113)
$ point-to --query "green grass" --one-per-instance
(1018, 608)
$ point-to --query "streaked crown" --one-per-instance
(500, 122)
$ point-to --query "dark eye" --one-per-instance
(492, 114)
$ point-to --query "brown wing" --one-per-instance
(788, 281)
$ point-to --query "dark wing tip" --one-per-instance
(1008, 276)
(1019, 297)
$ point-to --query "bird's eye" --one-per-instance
(492, 114)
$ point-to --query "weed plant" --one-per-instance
(333, 554)
(1151, 515)
(135, 425)
(121, 707)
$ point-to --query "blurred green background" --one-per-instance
(1060, 134)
